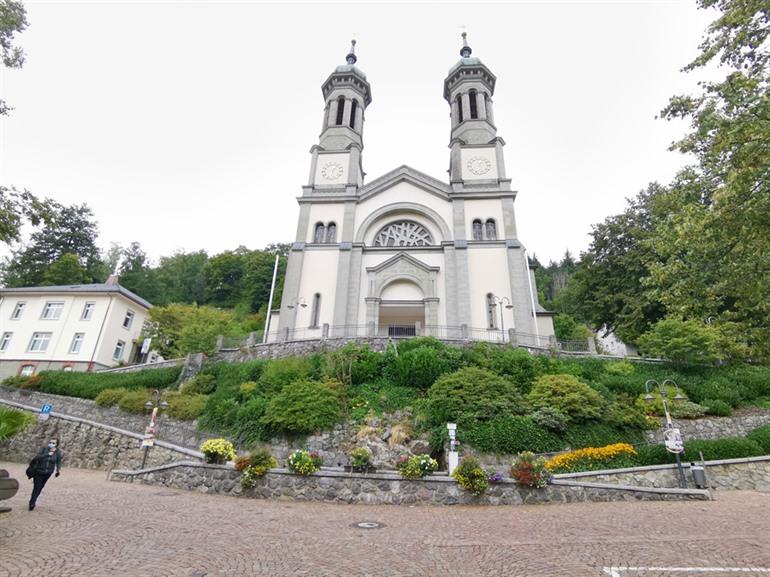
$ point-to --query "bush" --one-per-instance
(219, 414)
(648, 455)
(471, 477)
(728, 448)
(247, 389)
(247, 426)
(110, 397)
(419, 367)
(88, 385)
(360, 458)
(472, 394)
(517, 364)
(593, 459)
(230, 375)
(354, 365)
(218, 450)
(529, 470)
(202, 384)
(416, 466)
(185, 407)
(599, 435)
(551, 419)
(279, 373)
(507, 435)
(682, 409)
(241, 462)
(133, 401)
(260, 462)
(717, 408)
(761, 436)
(624, 415)
(32, 382)
(573, 398)
(303, 407)
(304, 462)
(12, 422)
(682, 341)
(381, 397)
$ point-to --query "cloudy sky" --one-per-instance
(187, 125)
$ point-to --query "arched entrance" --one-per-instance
(402, 309)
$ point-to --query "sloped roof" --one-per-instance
(409, 174)
(81, 289)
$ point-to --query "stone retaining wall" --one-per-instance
(182, 433)
(89, 445)
(752, 473)
(386, 488)
(714, 427)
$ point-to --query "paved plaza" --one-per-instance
(85, 526)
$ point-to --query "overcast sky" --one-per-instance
(187, 125)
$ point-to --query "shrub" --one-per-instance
(279, 373)
(381, 397)
(529, 470)
(686, 410)
(12, 422)
(353, 365)
(219, 415)
(551, 419)
(471, 477)
(623, 415)
(230, 375)
(647, 455)
(416, 466)
(717, 408)
(218, 450)
(241, 462)
(248, 427)
(88, 385)
(576, 400)
(303, 407)
(360, 458)
(133, 401)
(682, 409)
(599, 435)
(681, 341)
(110, 397)
(431, 343)
(247, 389)
(32, 382)
(593, 459)
(761, 436)
(472, 394)
(304, 462)
(728, 448)
(201, 384)
(517, 364)
(507, 435)
(261, 462)
(185, 407)
(623, 367)
(419, 367)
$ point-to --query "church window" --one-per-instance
(403, 233)
(459, 108)
(353, 110)
(318, 237)
(315, 313)
(331, 233)
(474, 106)
(491, 229)
(491, 316)
(478, 231)
(340, 110)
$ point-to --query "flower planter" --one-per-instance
(350, 469)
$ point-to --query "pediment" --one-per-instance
(402, 263)
(405, 173)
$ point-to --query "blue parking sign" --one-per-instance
(45, 412)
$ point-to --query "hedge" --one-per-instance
(89, 385)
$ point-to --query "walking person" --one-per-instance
(43, 465)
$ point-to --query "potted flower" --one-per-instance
(471, 477)
(416, 466)
(304, 462)
(530, 470)
(260, 462)
(218, 451)
(360, 461)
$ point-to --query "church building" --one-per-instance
(407, 254)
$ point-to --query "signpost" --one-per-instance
(45, 412)
(673, 440)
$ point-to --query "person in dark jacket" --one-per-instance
(44, 464)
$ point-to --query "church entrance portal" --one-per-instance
(401, 319)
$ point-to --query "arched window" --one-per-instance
(340, 110)
(331, 233)
(353, 110)
(491, 316)
(459, 100)
(320, 229)
(474, 106)
(491, 229)
(478, 231)
(315, 312)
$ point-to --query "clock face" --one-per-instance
(331, 170)
(479, 165)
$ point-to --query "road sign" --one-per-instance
(673, 440)
(45, 412)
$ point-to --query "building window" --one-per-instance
(353, 110)
(128, 319)
(403, 233)
(340, 110)
(88, 311)
(17, 310)
(27, 371)
(118, 354)
(491, 229)
(320, 230)
(331, 233)
(459, 101)
(5, 341)
(491, 309)
(315, 313)
(474, 107)
(39, 342)
(77, 342)
(478, 230)
(52, 310)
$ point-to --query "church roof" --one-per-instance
(409, 174)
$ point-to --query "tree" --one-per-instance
(180, 329)
(682, 341)
(182, 277)
(65, 270)
(137, 275)
(71, 230)
(13, 19)
(17, 207)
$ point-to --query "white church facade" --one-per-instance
(407, 254)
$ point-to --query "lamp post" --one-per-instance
(499, 301)
(149, 432)
(672, 437)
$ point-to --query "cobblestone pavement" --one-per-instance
(85, 526)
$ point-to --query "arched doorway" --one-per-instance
(401, 310)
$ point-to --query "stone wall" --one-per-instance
(752, 473)
(386, 488)
(182, 433)
(714, 427)
(90, 445)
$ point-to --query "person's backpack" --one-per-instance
(30, 472)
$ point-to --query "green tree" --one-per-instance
(137, 275)
(182, 278)
(13, 19)
(18, 207)
(65, 270)
(682, 341)
(179, 329)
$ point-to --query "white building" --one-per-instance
(406, 253)
(77, 327)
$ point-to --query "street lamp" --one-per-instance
(671, 437)
(149, 432)
(508, 305)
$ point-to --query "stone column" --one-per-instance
(360, 119)
(346, 112)
(333, 112)
(490, 112)
(481, 105)
(466, 106)
(454, 114)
